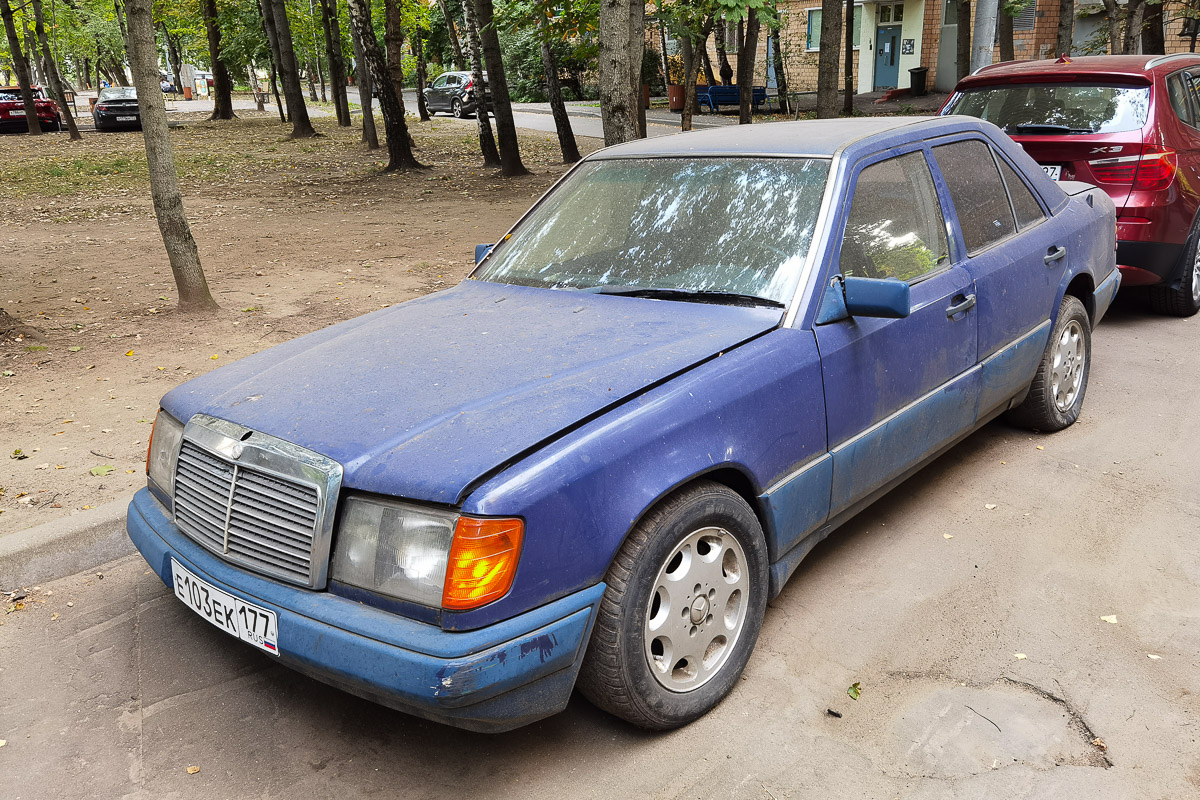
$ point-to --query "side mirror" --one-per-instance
(481, 251)
(887, 298)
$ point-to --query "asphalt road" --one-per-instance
(109, 687)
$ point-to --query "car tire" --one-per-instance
(58, 123)
(456, 108)
(1184, 301)
(1056, 395)
(703, 535)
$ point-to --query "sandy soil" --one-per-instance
(293, 236)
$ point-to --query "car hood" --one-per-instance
(423, 399)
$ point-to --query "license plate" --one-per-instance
(1053, 170)
(16, 113)
(126, 119)
(248, 622)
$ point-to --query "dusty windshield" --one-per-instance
(728, 225)
(1048, 109)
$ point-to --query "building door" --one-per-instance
(947, 64)
(887, 56)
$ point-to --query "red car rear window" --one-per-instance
(1056, 109)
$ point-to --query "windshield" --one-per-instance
(121, 93)
(1057, 109)
(731, 225)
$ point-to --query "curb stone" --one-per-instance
(65, 546)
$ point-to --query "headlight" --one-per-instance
(163, 452)
(425, 555)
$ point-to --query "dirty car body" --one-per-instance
(792, 353)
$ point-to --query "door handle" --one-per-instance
(963, 304)
(1054, 254)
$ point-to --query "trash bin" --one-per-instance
(916, 81)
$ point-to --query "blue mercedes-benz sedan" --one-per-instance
(593, 462)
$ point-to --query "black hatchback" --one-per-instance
(455, 92)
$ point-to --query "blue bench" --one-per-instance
(716, 96)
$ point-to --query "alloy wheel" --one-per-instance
(1068, 365)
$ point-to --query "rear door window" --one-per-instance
(984, 213)
(1025, 205)
(1048, 109)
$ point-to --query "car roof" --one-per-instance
(1142, 66)
(821, 137)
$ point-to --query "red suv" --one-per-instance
(1128, 124)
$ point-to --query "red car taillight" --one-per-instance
(101, 107)
(470, 85)
(1153, 170)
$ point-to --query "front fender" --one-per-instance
(758, 409)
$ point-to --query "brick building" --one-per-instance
(892, 38)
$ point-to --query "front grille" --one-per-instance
(263, 521)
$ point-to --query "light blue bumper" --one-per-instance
(493, 679)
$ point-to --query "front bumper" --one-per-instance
(493, 679)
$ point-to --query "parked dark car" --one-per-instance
(1129, 124)
(12, 110)
(117, 109)
(455, 92)
(593, 462)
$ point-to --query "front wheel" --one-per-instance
(1056, 396)
(682, 611)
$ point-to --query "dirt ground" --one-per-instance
(293, 236)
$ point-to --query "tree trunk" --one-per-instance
(419, 54)
(637, 54)
(705, 62)
(985, 32)
(688, 52)
(1004, 34)
(160, 159)
(50, 68)
(1066, 27)
(21, 67)
(562, 122)
(506, 127)
(1112, 15)
(827, 59)
(487, 143)
(260, 101)
(289, 73)
(400, 154)
(455, 45)
(662, 52)
(721, 34)
(1154, 41)
(370, 136)
(618, 101)
(222, 83)
(745, 70)
(393, 43)
(785, 106)
(173, 57)
(1134, 14)
(964, 38)
(267, 15)
(332, 29)
(310, 72)
(848, 99)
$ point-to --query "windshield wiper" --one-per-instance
(1034, 127)
(687, 295)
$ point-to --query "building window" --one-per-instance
(1026, 19)
(814, 27)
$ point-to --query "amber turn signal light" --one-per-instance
(483, 561)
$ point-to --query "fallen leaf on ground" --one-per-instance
(1098, 742)
(1019, 656)
(990, 506)
(214, 357)
(192, 770)
(3, 742)
(947, 535)
(1153, 657)
(75, 349)
(1039, 447)
(1111, 619)
(129, 353)
(854, 690)
(54, 616)
(18, 455)
(102, 470)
